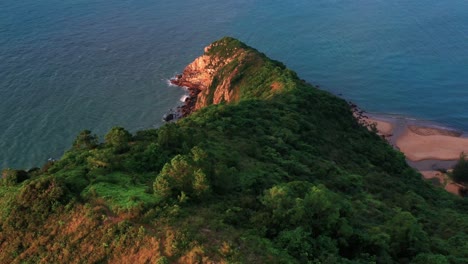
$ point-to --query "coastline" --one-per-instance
(420, 141)
(189, 102)
(428, 147)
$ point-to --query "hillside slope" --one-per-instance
(265, 169)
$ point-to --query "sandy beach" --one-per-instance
(431, 145)
(419, 142)
(423, 145)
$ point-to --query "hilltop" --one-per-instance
(263, 168)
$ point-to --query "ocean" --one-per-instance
(66, 66)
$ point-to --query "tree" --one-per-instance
(428, 258)
(169, 136)
(100, 158)
(460, 171)
(200, 183)
(297, 242)
(181, 176)
(407, 236)
(149, 158)
(118, 139)
(302, 204)
(85, 140)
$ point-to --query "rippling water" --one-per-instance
(66, 66)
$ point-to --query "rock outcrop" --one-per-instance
(202, 76)
(230, 71)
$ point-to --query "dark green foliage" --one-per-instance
(301, 204)
(149, 158)
(425, 258)
(460, 171)
(407, 238)
(85, 140)
(118, 138)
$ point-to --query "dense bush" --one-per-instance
(85, 140)
(118, 139)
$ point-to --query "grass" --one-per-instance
(120, 197)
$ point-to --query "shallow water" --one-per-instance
(66, 66)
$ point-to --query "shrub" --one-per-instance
(181, 176)
(42, 193)
(118, 139)
(85, 140)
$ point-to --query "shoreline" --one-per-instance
(420, 140)
(428, 147)
(188, 105)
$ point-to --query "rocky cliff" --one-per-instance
(219, 74)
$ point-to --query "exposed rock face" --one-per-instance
(199, 74)
(230, 71)
(201, 79)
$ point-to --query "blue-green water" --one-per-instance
(66, 66)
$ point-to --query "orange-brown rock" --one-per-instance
(199, 78)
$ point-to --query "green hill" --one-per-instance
(268, 169)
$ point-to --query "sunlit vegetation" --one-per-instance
(288, 178)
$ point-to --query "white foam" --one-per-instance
(169, 83)
(184, 97)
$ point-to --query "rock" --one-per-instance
(198, 77)
(168, 117)
(213, 77)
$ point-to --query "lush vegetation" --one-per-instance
(251, 74)
(289, 178)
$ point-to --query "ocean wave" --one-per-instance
(169, 83)
(184, 97)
